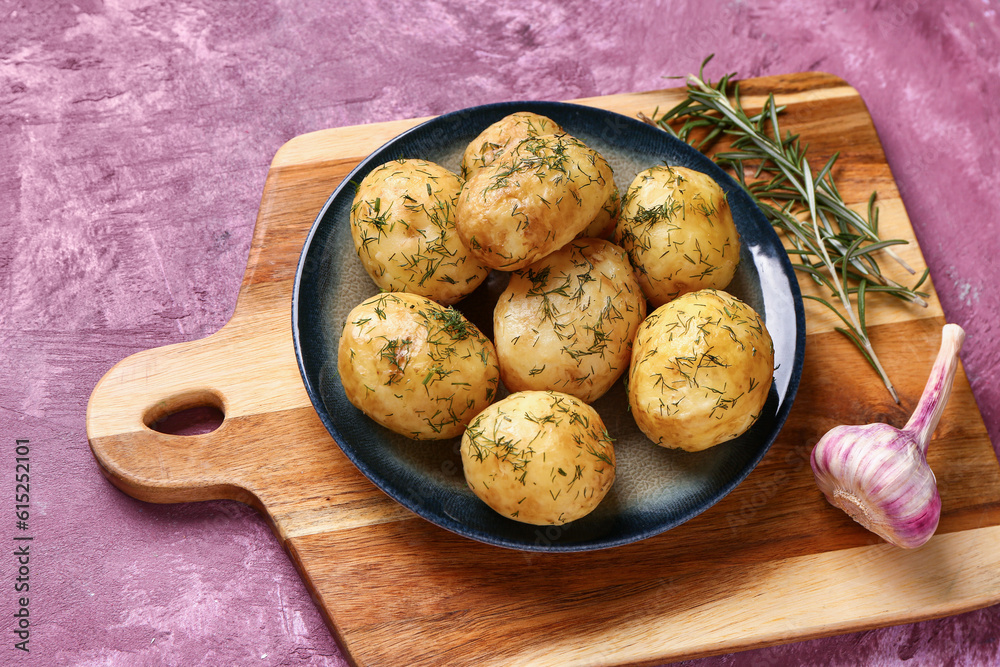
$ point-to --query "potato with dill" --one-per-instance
(403, 226)
(702, 367)
(679, 233)
(567, 321)
(506, 134)
(415, 366)
(532, 201)
(539, 457)
(502, 137)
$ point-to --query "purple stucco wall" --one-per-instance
(134, 141)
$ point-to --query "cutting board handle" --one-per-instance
(218, 371)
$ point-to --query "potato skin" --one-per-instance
(403, 226)
(416, 367)
(532, 201)
(702, 367)
(502, 136)
(679, 233)
(603, 225)
(567, 321)
(539, 457)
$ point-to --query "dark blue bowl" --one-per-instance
(655, 488)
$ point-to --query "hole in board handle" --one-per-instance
(191, 413)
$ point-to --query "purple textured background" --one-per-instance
(134, 141)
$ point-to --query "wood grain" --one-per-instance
(770, 563)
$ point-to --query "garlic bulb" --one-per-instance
(879, 474)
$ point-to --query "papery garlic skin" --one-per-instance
(879, 474)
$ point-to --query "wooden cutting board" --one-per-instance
(770, 563)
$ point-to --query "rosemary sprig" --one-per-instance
(830, 242)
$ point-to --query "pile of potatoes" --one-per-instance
(600, 285)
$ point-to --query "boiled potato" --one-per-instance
(403, 226)
(702, 367)
(502, 136)
(679, 233)
(539, 457)
(567, 321)
(506, 134)
(532, 201)
(415, 366)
